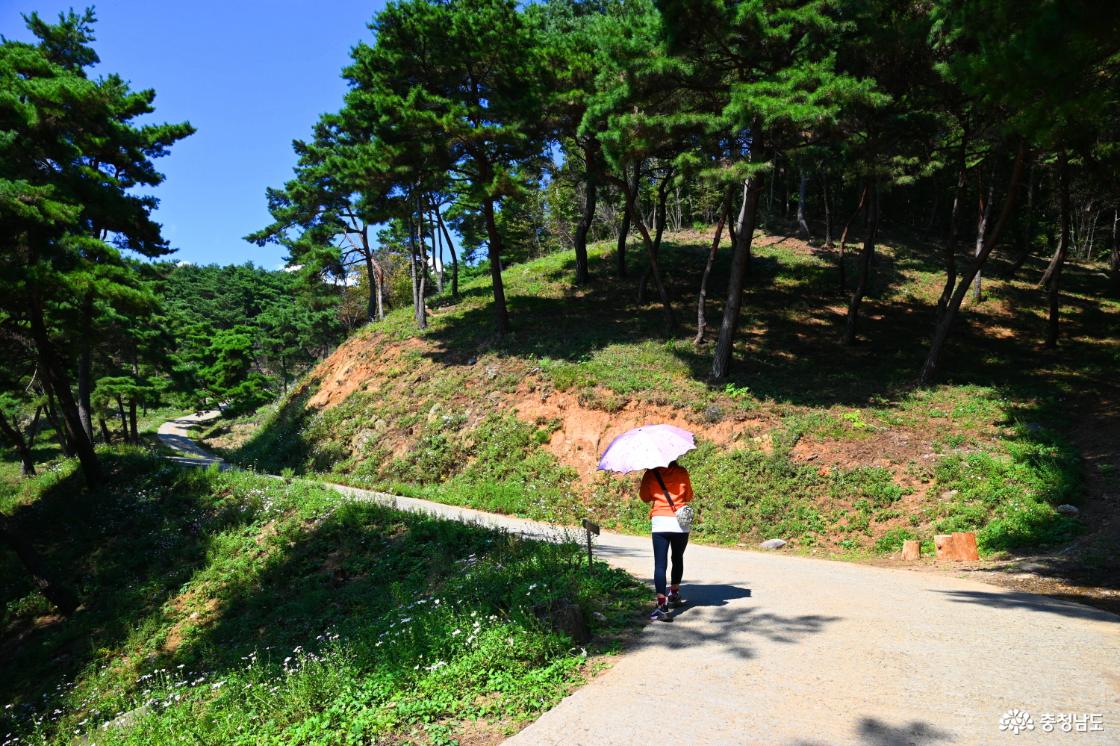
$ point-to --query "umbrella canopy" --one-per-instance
(646, 447)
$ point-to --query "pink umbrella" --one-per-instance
(646, 447)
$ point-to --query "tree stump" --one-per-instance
(565, 617)
(966, 546)
(911, 549)
(959, 546)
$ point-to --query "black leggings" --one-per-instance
(662, 540)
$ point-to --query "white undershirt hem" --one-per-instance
(662, 524)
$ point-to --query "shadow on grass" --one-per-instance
(191, 570)
(281, 443)
(126, 548)
(789, 347)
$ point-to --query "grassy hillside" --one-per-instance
(234, 608)
(830, 447)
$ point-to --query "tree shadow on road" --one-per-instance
(1032, 602)
(875, 732)
(711, 618)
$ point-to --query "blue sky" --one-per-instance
(250, 76)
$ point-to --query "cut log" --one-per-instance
(911, 549)
(959, 546)
(966, 546)
(943, 545)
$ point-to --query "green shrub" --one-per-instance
(872, 483)
(891, 541)
(1009, 499)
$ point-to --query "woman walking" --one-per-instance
(667, 490)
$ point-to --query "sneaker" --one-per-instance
(675, 601)
(661, 614)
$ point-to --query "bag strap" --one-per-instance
(660, 481)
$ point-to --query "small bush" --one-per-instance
(892, 540)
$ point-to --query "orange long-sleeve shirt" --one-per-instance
(676, 481)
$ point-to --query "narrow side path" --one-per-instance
(779, 649)
(175, 434)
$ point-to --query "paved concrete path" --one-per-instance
(175, 434)
(778, 649)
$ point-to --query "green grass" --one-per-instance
(234, 608)
(1009, 498)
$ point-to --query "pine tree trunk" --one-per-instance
(123, 418)
(701, 311)
(770, 202)
(1052, 278)
(624, 230)
(826, 201)
(740, 262)
(417, 273)
(58, 594)
(651, 254)
(1026, 233)
(786, 192)
(1114, 253)
(12, 433)
(981, 229)
(871, 229)
(412, 270)
(802, 194)
(933, 210)
(57, 426)
(659, 219)
(501, 315)
(134, 432)
(36, 424)
(950, 253)
(840, 260)
(422, 245)
(437, 248)
(583, 273)
(85, 387)
(941, 332)
(375, 277)
(105, 435)
(379, 291)
(373, 302)
(85, 368)
(54, 377)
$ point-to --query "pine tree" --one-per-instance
(777, 73)
(70, 156)
(450, 92)
(324, 216)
